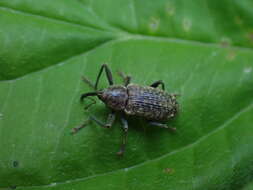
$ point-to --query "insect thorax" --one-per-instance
(114, 97)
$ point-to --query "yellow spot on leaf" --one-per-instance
(170, 9)
(154, 24)
(231, 56)
(187, 24)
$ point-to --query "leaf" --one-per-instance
(249, 186)
(201, 50)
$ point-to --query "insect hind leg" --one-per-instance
(162, 125)
(157, 83)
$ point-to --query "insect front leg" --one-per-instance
(108, 75)
(126, 78)
(77, 129)
(157, 83)
(125, 129)
(162, 125)
(109, 122)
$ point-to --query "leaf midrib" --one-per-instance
(124, 38)
(55, 19)
(123, 32)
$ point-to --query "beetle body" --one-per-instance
(144, 101)
(149, 102)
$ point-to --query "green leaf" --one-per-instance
(249, 186)
(201, 50)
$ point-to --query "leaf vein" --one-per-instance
(222, 126)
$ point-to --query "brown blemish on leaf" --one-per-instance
(169, 170)
(231, 55)
(250, 36)
(225, 42)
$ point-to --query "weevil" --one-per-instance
(149, 102)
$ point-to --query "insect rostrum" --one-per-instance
(153, 104)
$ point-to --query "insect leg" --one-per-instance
(89, 105)
(76, 129)
(108, 75)
(176, 95)
(108, 124)
(157, 83)
(162, 125)
(87, 81)
(126, 78)
(125, 129)
(110, 120)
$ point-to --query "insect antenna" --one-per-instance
(87, 81)
(86, 95)
(89, 105)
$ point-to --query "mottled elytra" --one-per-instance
(153, 104)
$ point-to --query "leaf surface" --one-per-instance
(196, 53)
